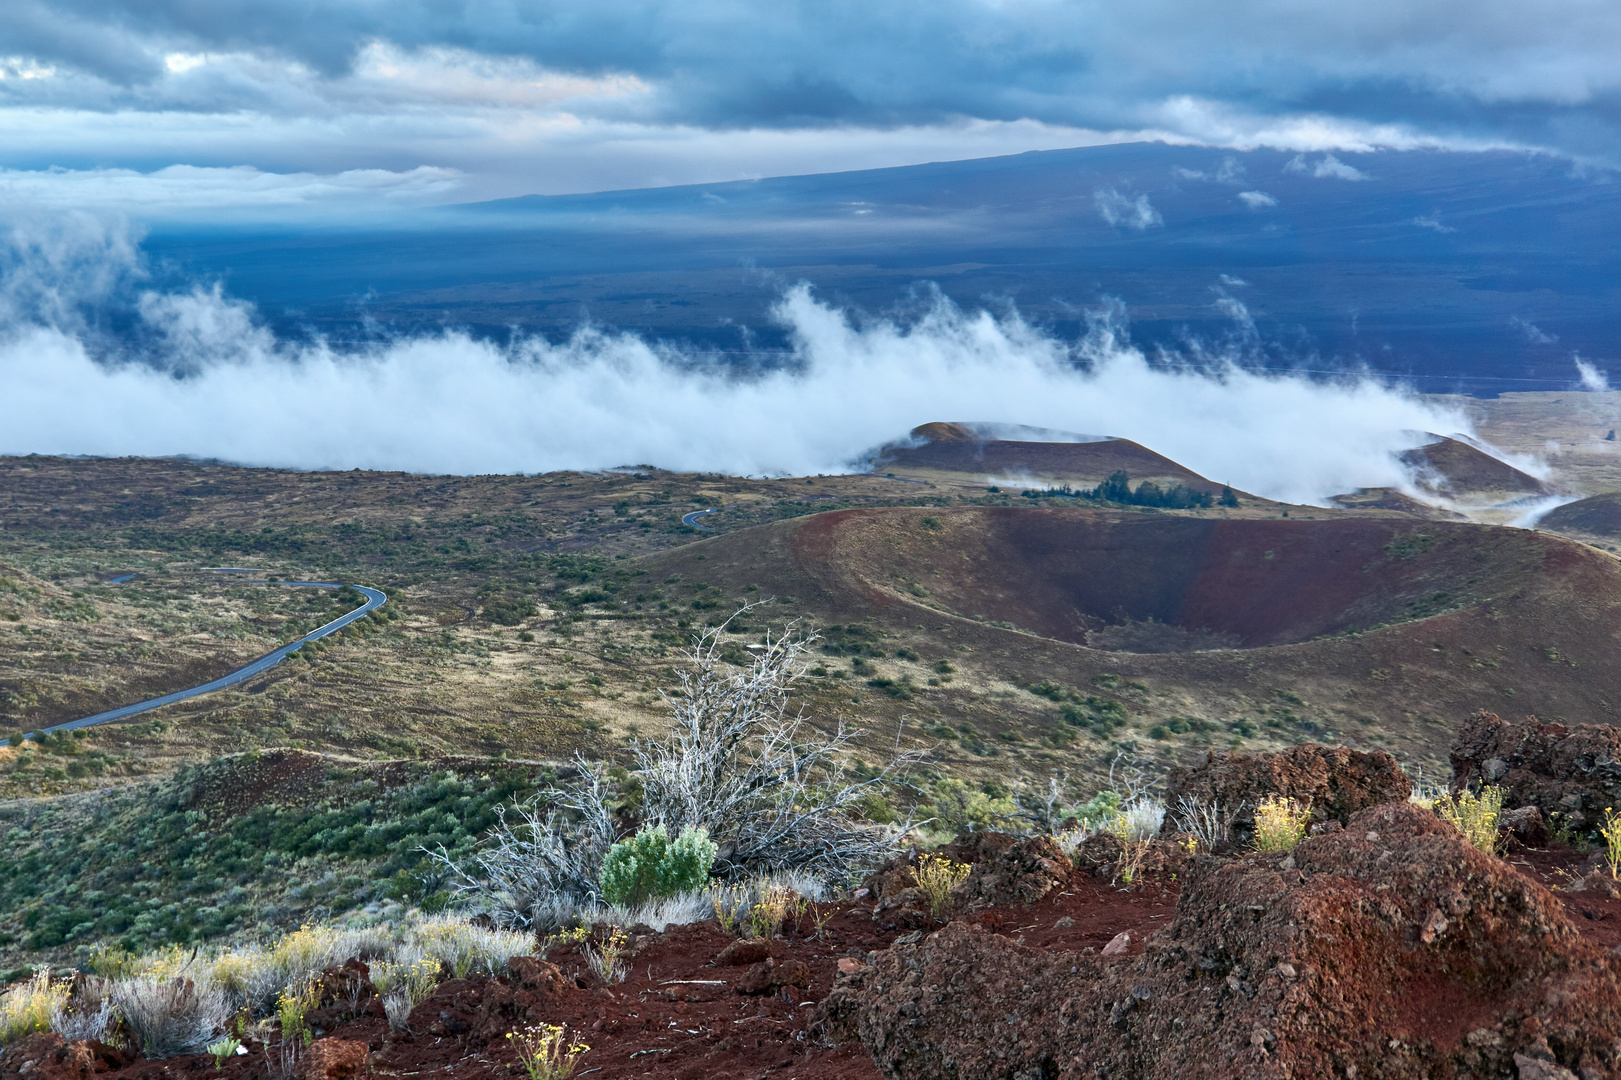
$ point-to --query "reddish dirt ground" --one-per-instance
(679, 1013)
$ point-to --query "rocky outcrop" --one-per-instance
(1389, 948)
(770, 977)
(1004, 869)
(525, 995)
(1336, 781)
(1572, 770)
(1007, 870)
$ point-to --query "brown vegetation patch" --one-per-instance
(953, 448)
(1455, 469)
(1596, 515)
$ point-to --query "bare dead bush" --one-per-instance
(1209, 823)
(171, 1016)
(87, 1013)
(770, 789)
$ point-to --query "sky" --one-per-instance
(1320, 139)
(148, 106)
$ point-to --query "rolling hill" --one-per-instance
(1377, 631)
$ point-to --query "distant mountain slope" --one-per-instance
(962, 448)
(1596, 515)
(1454, 469)
(1472, 271)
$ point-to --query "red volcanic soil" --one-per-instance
(679, 1014)
(1062, 572)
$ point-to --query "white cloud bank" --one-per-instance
(213, 382)
(241, 188)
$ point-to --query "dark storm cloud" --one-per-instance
(1490, 70)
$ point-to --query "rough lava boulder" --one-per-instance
(1336, 781)
(1573, 770)
(1388, 949)
(1005, 869)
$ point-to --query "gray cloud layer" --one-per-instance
(415, 82)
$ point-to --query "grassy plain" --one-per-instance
(534, 617)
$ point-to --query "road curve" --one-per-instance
(374, 600)
(691, 520)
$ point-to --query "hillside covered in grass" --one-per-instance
(237, 848)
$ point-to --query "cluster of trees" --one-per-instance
(1117, 489)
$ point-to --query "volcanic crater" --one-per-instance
(1157, 583)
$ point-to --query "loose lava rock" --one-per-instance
(1388, 949)
(1007, 869)
(1335, 781)
(1572, 770)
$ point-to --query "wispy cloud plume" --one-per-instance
(1535, 334)
(1327, 167)
(1123, 212)
(1591, 378)
(204, 377)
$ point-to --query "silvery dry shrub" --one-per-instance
(647, 865)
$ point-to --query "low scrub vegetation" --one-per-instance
(1475, 814)
(545, 1052)
(1117, 489)
(178, 1001)
(28, 1006)
(771, 792)
(1280, 823)
(164, 862)
(937, 876)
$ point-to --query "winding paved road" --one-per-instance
(691, 520)
(374, 600)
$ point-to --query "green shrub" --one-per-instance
(1099, 810)
(1048, 689)
(647, 865)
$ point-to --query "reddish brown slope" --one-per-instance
(1430, 620)
(1453, 468)
(952, 448)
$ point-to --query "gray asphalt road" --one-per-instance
(691, 520)
(374, 600)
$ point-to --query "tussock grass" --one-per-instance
(86, 1014)
(28, 1006)
(465, 948)
(176, 1001)
(171, 1016)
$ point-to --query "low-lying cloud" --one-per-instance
(1124, 212)
(201, 375)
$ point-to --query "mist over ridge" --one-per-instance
(1450, 271)
(197, 372)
